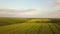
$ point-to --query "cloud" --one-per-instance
(57, 5)
(18, 13)
(33, 12)
(56, 13)
(28, 13)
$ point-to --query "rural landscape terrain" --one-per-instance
(29, 25)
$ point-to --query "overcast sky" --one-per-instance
(28, 8)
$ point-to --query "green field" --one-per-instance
(28, 26)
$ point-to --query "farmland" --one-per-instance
(28, 26)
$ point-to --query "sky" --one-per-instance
(26, 4)
(28, 8)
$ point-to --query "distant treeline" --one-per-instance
(8, 21)
(55, 20)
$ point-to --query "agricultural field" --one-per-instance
(29, 26)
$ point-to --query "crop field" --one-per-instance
(29, 26)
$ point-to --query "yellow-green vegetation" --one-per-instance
(28, 26)
(7, 21)
(39, 21)
(31, 28)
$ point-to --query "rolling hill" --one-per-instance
(29, 26)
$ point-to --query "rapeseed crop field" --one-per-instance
(29, 26)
